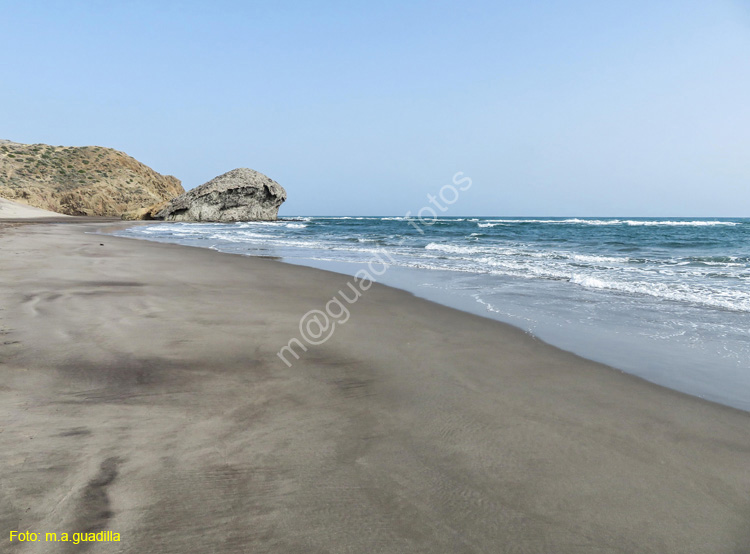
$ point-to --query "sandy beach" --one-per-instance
(15, 210)
(142, 394)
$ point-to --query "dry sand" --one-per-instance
(141, 393)
(16, 210)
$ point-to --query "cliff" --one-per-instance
(85, 180)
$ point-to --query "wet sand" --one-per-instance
(141, 393)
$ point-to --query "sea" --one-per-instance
(666, 299)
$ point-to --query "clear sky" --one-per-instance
(580, 107)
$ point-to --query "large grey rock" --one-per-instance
(238, 195)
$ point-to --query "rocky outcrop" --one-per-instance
(145, 213)
(238, 195)
(85, 180)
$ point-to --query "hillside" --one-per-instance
(80, 180)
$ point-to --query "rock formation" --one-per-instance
(238, 195)
(146, 213)
(86, 180)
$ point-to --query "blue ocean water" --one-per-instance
(665, 299)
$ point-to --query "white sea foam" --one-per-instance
(591, 259)
(574, 221)
(597, 222)
(681, 223)
(734, 301)
(527, 251)
(244, 224)
(454, 249)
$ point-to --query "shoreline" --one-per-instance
(628, 345)
(416, 427)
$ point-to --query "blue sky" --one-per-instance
(636, 108)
